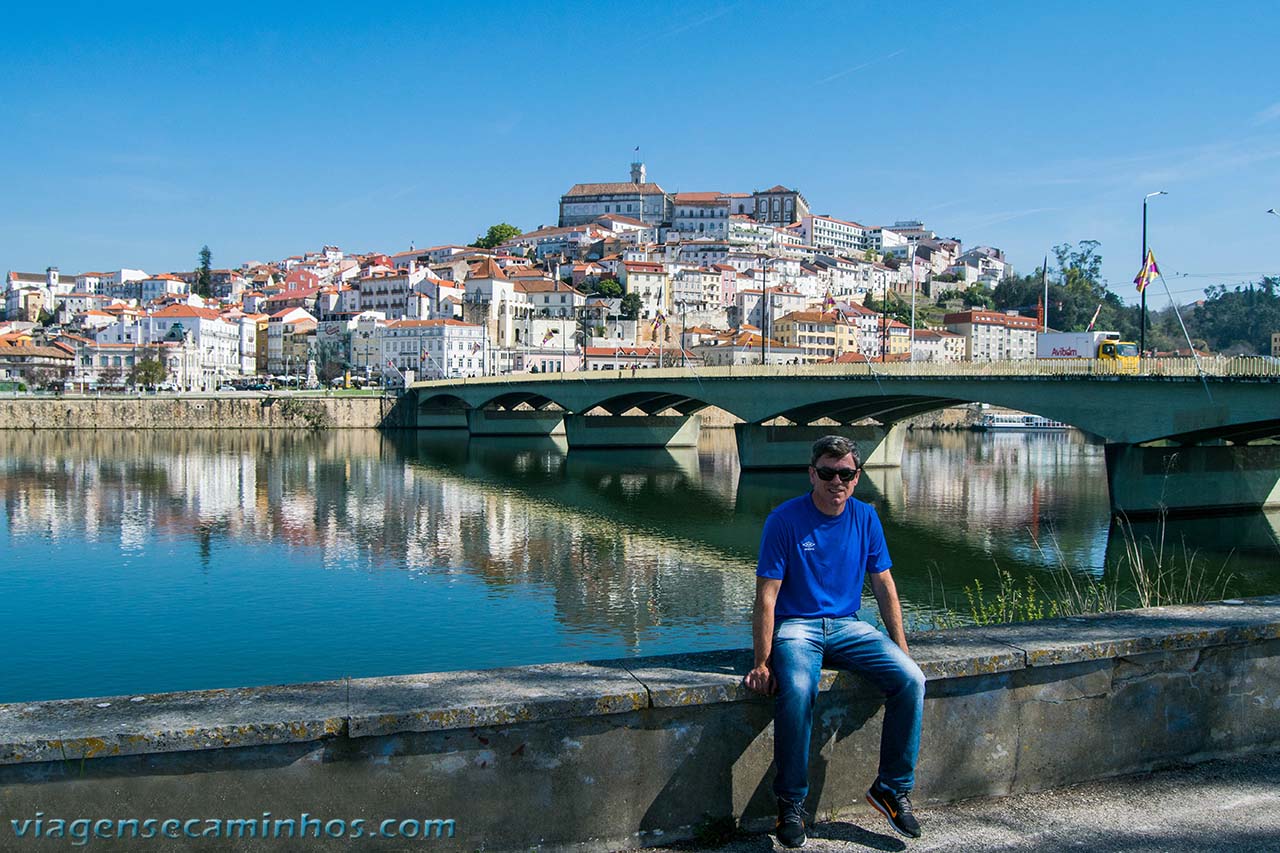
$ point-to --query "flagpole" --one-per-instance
(1044, 281)
(1142, 334)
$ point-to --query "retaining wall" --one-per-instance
(609, 755)
(198, 412)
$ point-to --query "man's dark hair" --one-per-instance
(834, 445)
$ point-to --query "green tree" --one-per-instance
(1238, 321)
(631, 306)
(1075, 293)
(148, 371)
(497, 235)
(608, 288)
(204, 276)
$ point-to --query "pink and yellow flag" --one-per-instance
(549, 335)
(1149, 271)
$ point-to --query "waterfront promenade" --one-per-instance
(1216, 807)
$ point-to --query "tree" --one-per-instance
(1075, 293)
(608, 288)
(1238, 321)
(497, 235)
(631, 306)
(204, 276)
(148, 371)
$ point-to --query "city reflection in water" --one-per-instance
(176, 560)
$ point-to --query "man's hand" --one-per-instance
(890, 610)
(760, 680)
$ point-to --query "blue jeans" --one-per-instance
(800, 648)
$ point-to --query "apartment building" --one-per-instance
(994, 336)
(818, 335)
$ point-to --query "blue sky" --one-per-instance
(135, 133)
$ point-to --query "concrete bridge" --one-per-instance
(1177, 438)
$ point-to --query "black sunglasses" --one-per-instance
(846, 475)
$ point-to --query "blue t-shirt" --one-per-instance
(821, 560)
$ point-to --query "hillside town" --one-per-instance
(630, 276)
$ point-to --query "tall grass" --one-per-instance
(1149, 573)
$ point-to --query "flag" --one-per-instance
(476, 347)
(549, 335)
(829, 302)
(1149, 271)
(658, 321)
(423, 355)
(1095, 317)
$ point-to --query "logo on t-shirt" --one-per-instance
(807, 545)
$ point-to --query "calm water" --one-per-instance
(135, 563)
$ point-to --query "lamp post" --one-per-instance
(913, 304)
(682, 305)
(1142, 334)
(764, 295)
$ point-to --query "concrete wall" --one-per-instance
(197, 412)
(608, 755)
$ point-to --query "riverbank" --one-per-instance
(195, 412)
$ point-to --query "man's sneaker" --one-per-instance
(896, 808)
(790, 826)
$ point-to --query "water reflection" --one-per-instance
(523, 550)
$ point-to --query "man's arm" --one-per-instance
(760, 679)
(890, 610)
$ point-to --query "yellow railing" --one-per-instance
(1240, 367)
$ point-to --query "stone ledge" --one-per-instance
(75, 729)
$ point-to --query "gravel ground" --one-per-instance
(1217, 806)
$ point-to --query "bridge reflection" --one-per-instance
(961, 507)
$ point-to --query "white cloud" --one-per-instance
(1271, 113)
(849, 71)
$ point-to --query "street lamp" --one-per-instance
(1142, 334)
(682, 305)
(913, 304)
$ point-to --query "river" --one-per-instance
(175, 560)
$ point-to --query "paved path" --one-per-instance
(1212, 807)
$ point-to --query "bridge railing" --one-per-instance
(1240, 367)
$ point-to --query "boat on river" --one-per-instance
(1013, 421)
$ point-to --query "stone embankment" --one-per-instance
(198, 412)
(284, 412)
(616, 754)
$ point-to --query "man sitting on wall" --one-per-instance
(814, 554)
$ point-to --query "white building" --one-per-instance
(826, 233)
(938, 345)
(701, 215)
(213, 346)
(649, 281)
(993, 336)
(388, 292)
(435, 349)
(637, 199)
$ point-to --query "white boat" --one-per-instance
(1017, 422)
